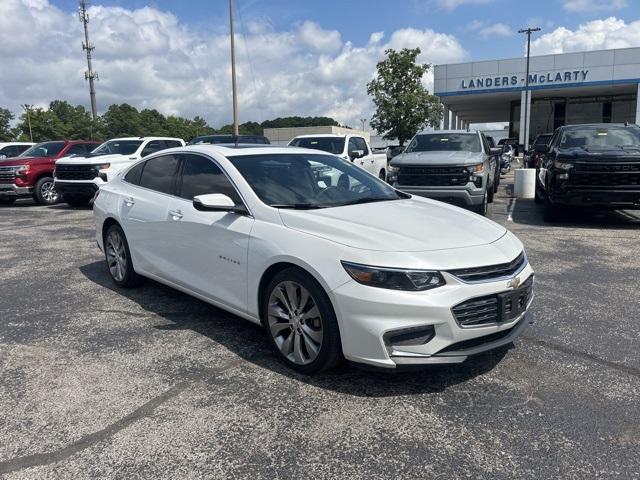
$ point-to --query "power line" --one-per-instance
(88, 47)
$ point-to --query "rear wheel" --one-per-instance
(118, 258)
(300, 322)
(76, 201)
(44, 193)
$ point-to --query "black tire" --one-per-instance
(43, 192)
(538, 195)
(482, 209)
(382, 175)
(551, 212)
(330, 351)
(490, 194)
(129, 278)
(76, 201)
(7, 200)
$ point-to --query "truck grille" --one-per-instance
(488, 310)
(490, 272)
(76, 172)
(436, 176)
(606, 175)
(7, 174)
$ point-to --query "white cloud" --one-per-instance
(491, 30)
(595, 35)
(148, 58)
(453, 4)
(591, 6)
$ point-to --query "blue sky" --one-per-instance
(357, 19)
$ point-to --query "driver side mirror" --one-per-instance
(356, 154)
(496, 150)
(217, 202)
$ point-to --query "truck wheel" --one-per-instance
(118, 258)
(551, 212)
(538, 197)
(75, 201)
(382, 175)
(44, 193)
(490, 194)
(483, 207)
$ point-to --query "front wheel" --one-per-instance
(118, 258)
(382, 175)
(483, 208)
(551, 212)
(76, 201)
(44, 193)
(300, 322)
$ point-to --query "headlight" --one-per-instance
(392, 169)
(479, 168)
(104, 166)
(394, 278)
(563, 165)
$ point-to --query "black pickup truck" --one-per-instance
(596, 165)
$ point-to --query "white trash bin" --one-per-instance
(525, 183)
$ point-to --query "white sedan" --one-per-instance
(332, 261)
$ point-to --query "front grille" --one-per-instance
(490, 309)
(436, 176)
(76, 172)
(606, 175)
(477, 342)
(490, 272)
(7, 174)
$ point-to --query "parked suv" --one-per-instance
(453, 166)
(533, 156)
(595, 165)
(31, 174)
(13, 149)
(77, 178)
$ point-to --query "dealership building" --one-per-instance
(564, 89)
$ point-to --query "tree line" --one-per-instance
(61, 120)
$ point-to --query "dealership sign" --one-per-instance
(568, 76)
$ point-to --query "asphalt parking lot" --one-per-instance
(150, 383)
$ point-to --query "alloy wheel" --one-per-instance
(48, 192)
(295, 322)
(116, 256)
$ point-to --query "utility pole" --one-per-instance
(27, 108)
(527, 94)
(233, 72)
(363, 120)
(89, 74)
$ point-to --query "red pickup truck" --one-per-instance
(31, 174)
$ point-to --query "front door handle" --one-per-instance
(176, 214)
(129, 201)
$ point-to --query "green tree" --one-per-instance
(77, 123)
(403, 105)
(45, 125)
(122, 120)
(6, 133)
(153, 123)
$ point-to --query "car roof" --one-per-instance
(326, 135)
(599, 125)
(145, 138)
(232, 150)
(439, 132)
(4, 144)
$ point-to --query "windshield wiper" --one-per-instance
(366, 200)
(297, 206)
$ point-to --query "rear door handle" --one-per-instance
(176, 214)
(129, 201)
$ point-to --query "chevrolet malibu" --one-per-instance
(332, 261)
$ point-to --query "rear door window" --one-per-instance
(76, 149)
(160, 174)
(201, 176)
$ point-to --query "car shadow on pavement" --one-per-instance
(529, 213)
(249, 341)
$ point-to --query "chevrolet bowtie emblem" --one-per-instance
(514, 282)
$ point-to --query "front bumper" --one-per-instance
(463, 197)
(76, 188)
(368, 315)
(597, 197)
(12, 190)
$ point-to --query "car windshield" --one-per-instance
(308, 181)
(542, 140)
(438, 142)
(120, 147)
(46, 149)
(326, 144)
(600, 138)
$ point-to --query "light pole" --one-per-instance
(528, 31)
(27, 108)
(233, 71)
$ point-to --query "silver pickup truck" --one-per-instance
(449, 165)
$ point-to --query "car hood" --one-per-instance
(413, 225)
(437, 158)
(99, 160)
(10, 162)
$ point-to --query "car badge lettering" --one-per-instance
(514, 283)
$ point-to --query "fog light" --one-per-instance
(412, 336)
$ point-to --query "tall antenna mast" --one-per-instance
(89, 74)
(233, 72)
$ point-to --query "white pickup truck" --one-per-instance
(77, 178)
(349, 147)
